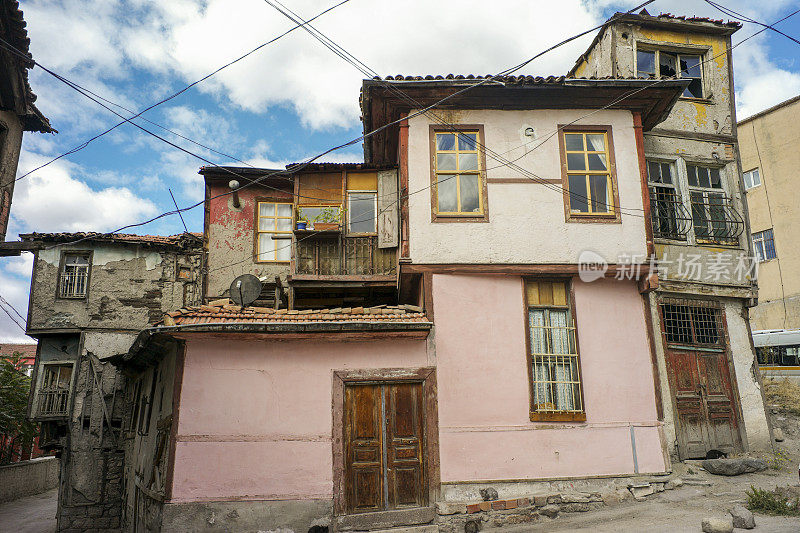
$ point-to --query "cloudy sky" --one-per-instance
(286, 102)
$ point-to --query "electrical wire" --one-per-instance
(734, 14)
(13, 319)
(167, 99)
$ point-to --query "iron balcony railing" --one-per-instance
(53, 402)
(711, 215)
(714, 218)
(671, 219)
(339, 255)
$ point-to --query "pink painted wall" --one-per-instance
(485, 429)
(255, 416)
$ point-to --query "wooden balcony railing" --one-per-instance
(339, 255)
(53, 402)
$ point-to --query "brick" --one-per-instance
(511, 504)
(499, 505)
(473, 508)
(523, 502)
(485, 506)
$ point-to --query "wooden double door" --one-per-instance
(383, 448)
(701, 383)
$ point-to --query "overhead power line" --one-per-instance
(167, 99)
(736, 15)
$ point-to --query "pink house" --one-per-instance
(479, 354)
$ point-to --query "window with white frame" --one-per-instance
(667, 212)
(709, 205)
(752, 178)
(764, 245)
(74, 277)
(273, 232)
(362, 212)
(661, 64)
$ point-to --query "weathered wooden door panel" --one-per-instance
(363, 414)
(383, 447)
(697, 366)
(404, 445)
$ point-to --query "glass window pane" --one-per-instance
(578, 198)
(596, 143)
(666, 173)
(284, 224)
(703, 179)
(445, 162)
(284, 250)
(284, 210)
(597, 162)
(695, 89)
(266, 209)
(445, 141)
(666, 65)
(716, 183)
(362, 212)
(691, 170)
(573, 141)
(756, 178)
(470, 199)
(645, 64)
(758, 245)
(747, 177)
(467, 141)
(576, 161)
(653, 172)
(467, 162)
(446, 193)
(536, 320)
(266, 247)
(599, 189)
(699, 217)
(690, 66)
(266, 224)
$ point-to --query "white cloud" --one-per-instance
(14, 284)
(56, 199)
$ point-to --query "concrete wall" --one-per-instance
(256, 423)
(28, 477)
(129, 288)
(769, 142)
(10, 143)
(230, 237)
(485, 429)
(526, 220)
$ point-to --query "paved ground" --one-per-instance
(31, 514)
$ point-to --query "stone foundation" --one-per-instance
(242, 516)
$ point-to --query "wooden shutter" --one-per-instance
(388, 212)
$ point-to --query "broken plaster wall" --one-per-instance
(129, 288)
(10, 143)
(230, 234)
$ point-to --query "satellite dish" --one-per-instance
(245, 289)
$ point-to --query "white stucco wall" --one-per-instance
(526, 220)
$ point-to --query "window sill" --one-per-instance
(272, 262)
(456, 217)
(557, 417)
(592, 218)
(709, 101)
(72, 297)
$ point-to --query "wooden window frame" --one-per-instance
(596, 218)
(656, 49)
(536, 416)
(62, 264)
(39, 381)
(483, 196)
(347, 213)
(256, 232)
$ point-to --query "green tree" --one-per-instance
(15, 428)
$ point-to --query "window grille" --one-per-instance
(714, 218)
(74, 276)
(53, 395)
(555, 372)
(692, 322)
